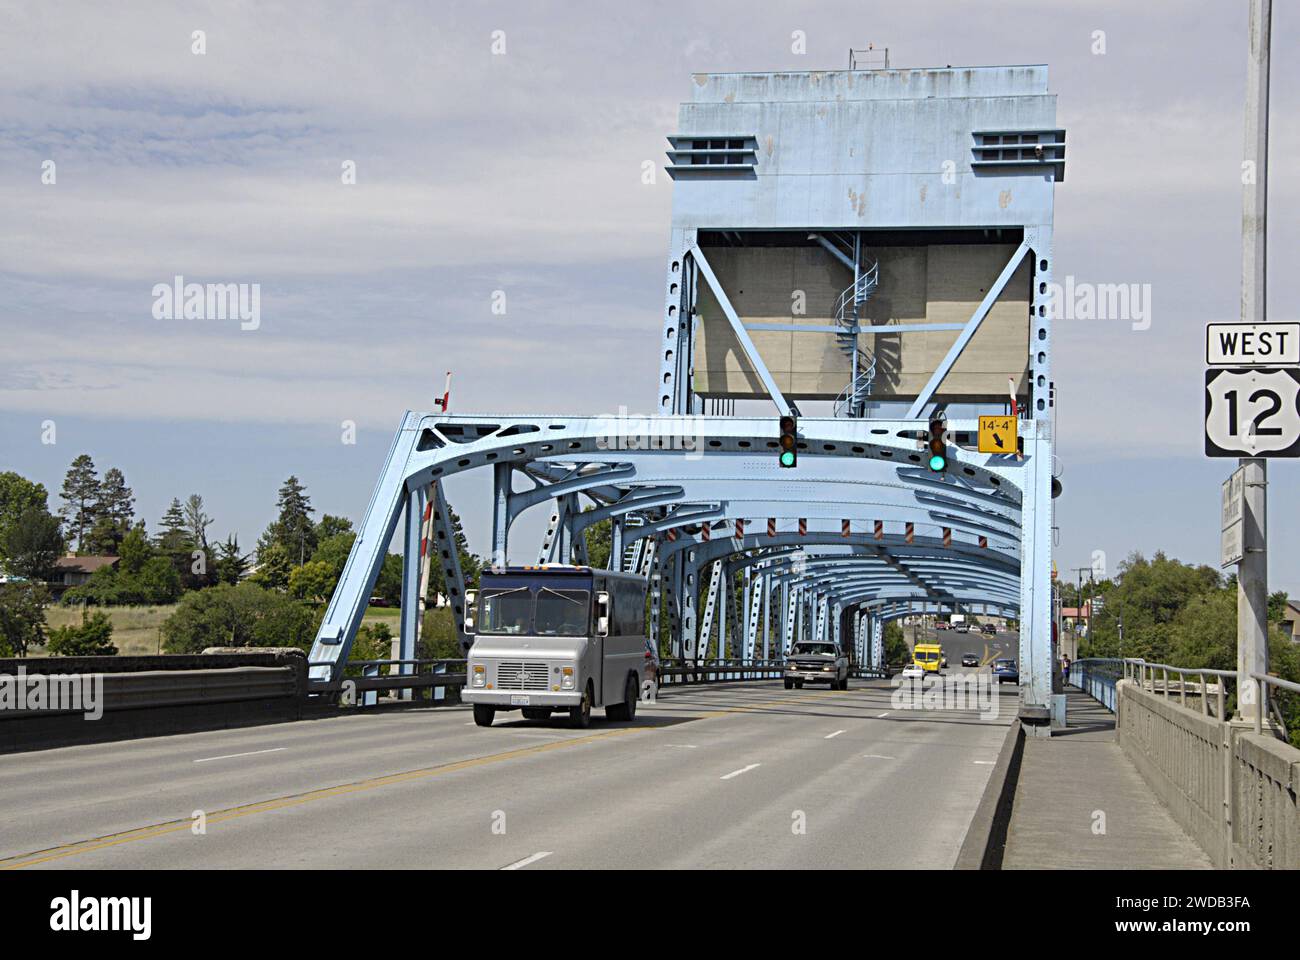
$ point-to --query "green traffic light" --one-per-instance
(787, 458)
(937, 463)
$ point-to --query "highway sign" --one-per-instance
(998, 434)
(1234, 504)
(1252, 412)
(1252, 344)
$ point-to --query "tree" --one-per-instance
(33, 544)
(114, 512)
(17, 494)
(599, 538)
(172, 528)
(197, 522)
(93, 637)
(896, 650)
(80, 496)
(135, 551)
(175, 542)
(293, 528)
(332, 526)
(22, 617)
(273, 568)
(244, 615)
(314, 581)
(334, 551)
(388, 585)
(232, 563)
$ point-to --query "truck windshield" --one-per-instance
(543, 612)
(506, 611)
(562, 613)
(824, 649)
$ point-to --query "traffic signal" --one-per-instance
(937, 449)
(789, 442)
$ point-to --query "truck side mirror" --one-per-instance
(602, 614)
(471, 603)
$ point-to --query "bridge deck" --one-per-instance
(1068, 781)
(743, 775)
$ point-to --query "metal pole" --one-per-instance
(1252, 571)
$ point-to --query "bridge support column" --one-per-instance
(416, 498)
(501, 478)
(1036, 581)
(877, 643)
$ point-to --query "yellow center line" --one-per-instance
(294, 800)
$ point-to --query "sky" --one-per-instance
(520, 171)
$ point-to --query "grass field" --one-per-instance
(135, 629)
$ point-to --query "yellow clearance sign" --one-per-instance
(998, 434)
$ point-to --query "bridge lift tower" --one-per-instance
(874, 244)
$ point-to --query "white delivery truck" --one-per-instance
(558, 638)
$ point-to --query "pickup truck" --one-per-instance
(813, 662)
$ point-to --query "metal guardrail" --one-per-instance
(671, 673)
(1145, 674)
(1263, 682)
(1097, 676)
(441, 675)
(676, 671)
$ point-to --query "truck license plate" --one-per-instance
(518, 701)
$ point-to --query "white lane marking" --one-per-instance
(736, 773)
(251, 753)
(876, 756)
(684, 746)
(987, 763)
(830, 736)
(520, 864)
(885, 714)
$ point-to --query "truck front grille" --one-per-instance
(516, 675)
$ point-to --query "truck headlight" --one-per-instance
(566, 679)
(826, 668)
(480, 675)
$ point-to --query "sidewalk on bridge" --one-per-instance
(1068, 781)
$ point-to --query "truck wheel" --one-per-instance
(484, 714)
(627, 709)
(580, 716)
(789, 684)
(537, 713)
(798, 684)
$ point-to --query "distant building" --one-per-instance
(74, 571)
(1291, 620)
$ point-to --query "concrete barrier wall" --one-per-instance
(1266, 818)
(1232, 790)
(157, 695)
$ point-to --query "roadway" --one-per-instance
(708, 777)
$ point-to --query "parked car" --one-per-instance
(1006, 671)
(969, 660)
(941, 625)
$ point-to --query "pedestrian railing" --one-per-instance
(1096, 677)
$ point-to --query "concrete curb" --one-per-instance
(986, 838)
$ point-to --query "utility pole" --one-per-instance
(1252, 571)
